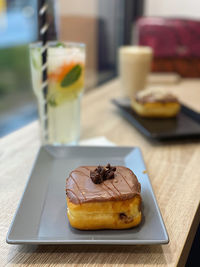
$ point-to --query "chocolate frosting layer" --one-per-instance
(81, 189)
(153, 95)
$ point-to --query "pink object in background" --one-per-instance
(175, 42)
(170, 37)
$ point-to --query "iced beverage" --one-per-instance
(66, 65)
(134, 66)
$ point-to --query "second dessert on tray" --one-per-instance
(155, 103)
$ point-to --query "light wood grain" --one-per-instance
(173, 169)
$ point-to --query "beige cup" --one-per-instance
(134, 66)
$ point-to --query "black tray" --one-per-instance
(185, 125)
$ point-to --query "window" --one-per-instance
(103, 25)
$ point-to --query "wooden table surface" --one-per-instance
(172, 167)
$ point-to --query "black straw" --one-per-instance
(43, 34)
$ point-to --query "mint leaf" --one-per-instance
(72, 76)
(35, 63)
(36, 60)
(52, 101)
(59, 44)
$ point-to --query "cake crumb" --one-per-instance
(144, 171)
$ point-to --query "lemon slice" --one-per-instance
(58, 95)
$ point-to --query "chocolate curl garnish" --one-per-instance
(101, 173)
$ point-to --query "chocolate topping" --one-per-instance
(122, 215)
(101, 173)
(125, 218)
(80, 188)
(153, 95)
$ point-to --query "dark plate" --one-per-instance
(185, 125)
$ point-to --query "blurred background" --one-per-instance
(171, 28)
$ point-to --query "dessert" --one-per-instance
(155, 103)
(103, 197)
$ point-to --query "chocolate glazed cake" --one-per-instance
(155, 103)
(103, 197)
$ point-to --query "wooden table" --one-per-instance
(173, 169)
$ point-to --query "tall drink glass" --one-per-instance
(134, 66)
(66, 65)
